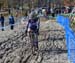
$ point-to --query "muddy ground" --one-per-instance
(15, 46)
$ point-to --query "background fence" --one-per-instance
(69, 35)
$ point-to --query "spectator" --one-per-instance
(26, 13)
(9, 10)
(52, 12)
(11, 21)
(2, 21)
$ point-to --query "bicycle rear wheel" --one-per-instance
(34, 41)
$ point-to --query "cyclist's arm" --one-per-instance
(38, 23)
(27, 26)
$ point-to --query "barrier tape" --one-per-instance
(17, 23)
(70, 36)
(5, 27)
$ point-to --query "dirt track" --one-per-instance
(52, 45)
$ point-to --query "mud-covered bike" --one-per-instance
(34, 41)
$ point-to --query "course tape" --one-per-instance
(70, 36)
(15, 24)
(5, 27)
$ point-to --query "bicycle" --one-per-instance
(34, 41)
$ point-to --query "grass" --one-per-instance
(72, 23)
(67, 15)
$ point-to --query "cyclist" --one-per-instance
(33, 30)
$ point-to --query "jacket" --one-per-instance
(11, 20)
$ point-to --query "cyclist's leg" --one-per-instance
(36, 41)
(31, 40)
(30, 37)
